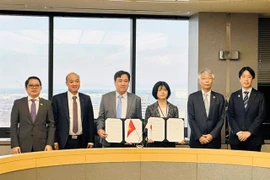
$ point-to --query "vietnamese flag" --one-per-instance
(131, 128)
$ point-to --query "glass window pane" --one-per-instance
(94, 48)
(23, 53)
(162, 55)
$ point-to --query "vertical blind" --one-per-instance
(264, 51)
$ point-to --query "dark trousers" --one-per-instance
(246, 146)
(74, 143)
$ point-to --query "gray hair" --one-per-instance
(207, 71)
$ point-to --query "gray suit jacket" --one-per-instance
(29, 134)
(108, 108)
(201, 124)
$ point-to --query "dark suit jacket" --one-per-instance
(201, 124)
(152, 111)
(61, 116)
(249, 120)
(107, 108)
(29, 134)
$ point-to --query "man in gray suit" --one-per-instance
(32, 124)
(206, 110)
(130, 104)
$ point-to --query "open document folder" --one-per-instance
(123, 130)
(165, 129)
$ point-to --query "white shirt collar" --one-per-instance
(249, 90)
(70, 95)
(124, 95)
(208, 93)
(29, 98)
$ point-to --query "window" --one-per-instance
(162, 55)
(94, 48)
(23, 53)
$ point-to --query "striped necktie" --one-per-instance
(246, 99)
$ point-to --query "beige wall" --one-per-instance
(212, 36)
(208, 35)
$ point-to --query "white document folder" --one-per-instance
(130, 128)
(113, 127)
(163, 129)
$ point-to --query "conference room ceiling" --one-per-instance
(155, 7)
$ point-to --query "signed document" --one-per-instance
(133, 130)
(114, 129)
(175, 130)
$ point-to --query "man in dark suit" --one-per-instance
(131, 104)
(246, 112)
(206, 110)
(31, 123)
(74, 119)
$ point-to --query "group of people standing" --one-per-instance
(68, 121)
(246, 113)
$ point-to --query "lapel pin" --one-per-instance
(214, 97)
(238, 95)
(41, 104)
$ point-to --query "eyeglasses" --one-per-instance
(33, 85)
(204, 79)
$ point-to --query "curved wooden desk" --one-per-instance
(140, 163)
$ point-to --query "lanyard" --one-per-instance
(162, 111)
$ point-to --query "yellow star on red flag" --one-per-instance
(131, 128)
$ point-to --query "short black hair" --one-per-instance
(118, 74)
(249, 69)
(159, 84)
(32, 77)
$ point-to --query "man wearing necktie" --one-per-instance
(31, 123)
(206, 111)
(74, 117)
(246, 112)
(118, 104)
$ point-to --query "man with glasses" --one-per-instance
(206, 110)
(31, 123)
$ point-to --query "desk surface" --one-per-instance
(25, 161)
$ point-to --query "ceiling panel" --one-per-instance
(156, 7)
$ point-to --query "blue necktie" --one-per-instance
(33, 110)
(246, 99)
(119, 107)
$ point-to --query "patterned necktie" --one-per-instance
(33, 110)
(75, 115)
(246, 99)
(119, 107)
(206, 104)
